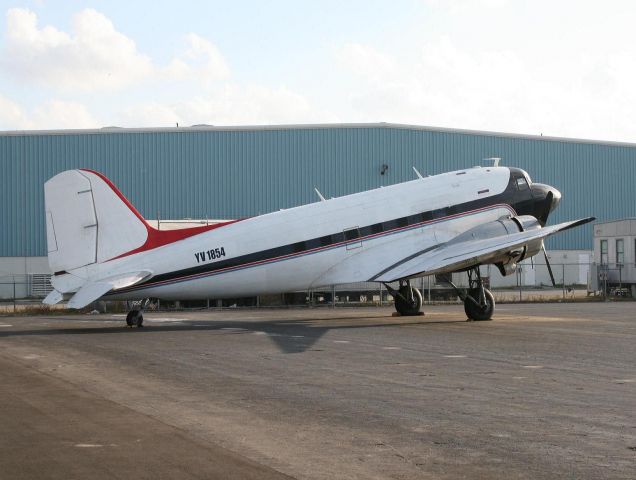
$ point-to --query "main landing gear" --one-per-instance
(135, 317)
(479, 304)
(408, 299)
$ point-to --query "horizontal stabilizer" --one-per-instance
(456, 256)
(88, 294)
(53, 298)
(94, 290)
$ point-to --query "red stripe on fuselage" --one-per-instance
(156, 238)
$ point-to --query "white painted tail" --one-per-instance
(88, 221)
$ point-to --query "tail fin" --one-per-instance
(88, 220)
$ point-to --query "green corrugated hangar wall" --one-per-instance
(211, 172)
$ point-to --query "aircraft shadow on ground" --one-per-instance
(289, 336)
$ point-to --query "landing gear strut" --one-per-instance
(479, 304)
(408, 299)
(135, 317)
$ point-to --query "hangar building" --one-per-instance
(208, 172)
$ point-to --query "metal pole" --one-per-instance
(563, 278)
(333, 296)
(429, 289)
(13, 293)
(380, 294)
(519, 281)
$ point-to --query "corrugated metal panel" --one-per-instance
(219, 173)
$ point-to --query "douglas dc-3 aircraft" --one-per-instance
(99, 245)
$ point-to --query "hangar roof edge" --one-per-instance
(309, 126)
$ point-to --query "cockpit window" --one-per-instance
(522, 184)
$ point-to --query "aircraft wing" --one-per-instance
(449, 257)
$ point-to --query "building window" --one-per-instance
(620, 251)
(603, 252)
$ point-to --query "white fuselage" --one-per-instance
(188, 270)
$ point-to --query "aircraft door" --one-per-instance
(352, 237)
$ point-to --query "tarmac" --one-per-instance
(544, 391)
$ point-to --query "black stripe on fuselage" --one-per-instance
(325, 242)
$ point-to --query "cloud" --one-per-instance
(59, 114)
(201, 60)
(53, 114)
(95, 56)
(447, 85)
(11, 115)
(231, 104)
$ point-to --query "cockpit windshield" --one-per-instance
(522, 183)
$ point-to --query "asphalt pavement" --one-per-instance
(544, 391)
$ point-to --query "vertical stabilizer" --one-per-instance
(88, 221)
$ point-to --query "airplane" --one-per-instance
(100, 246)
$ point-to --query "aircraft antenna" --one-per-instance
(419, 175)
(322, 199)
(495, 161)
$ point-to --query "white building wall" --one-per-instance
(16, 275)
(611, 231)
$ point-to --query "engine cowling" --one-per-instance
(528, 223)
(507, 264)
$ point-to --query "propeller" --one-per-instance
(547, 264)
(547, 205)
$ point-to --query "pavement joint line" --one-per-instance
(167, 320)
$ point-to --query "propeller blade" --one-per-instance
(547, 264)
(543, 216)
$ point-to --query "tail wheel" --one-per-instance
(135, 318)
(478, 311)
(408, 303)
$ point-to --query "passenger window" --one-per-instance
(522, 184)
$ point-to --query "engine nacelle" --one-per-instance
(528, 223)
(507, 263)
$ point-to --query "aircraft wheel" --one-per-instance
(405, 307)
(134, 318)
(477, 312)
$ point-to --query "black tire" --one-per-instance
(406, 308)
(476, 312)
(130, 318)
(135, 318)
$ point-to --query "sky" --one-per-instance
(557, 68)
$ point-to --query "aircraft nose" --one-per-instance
(547, 198)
